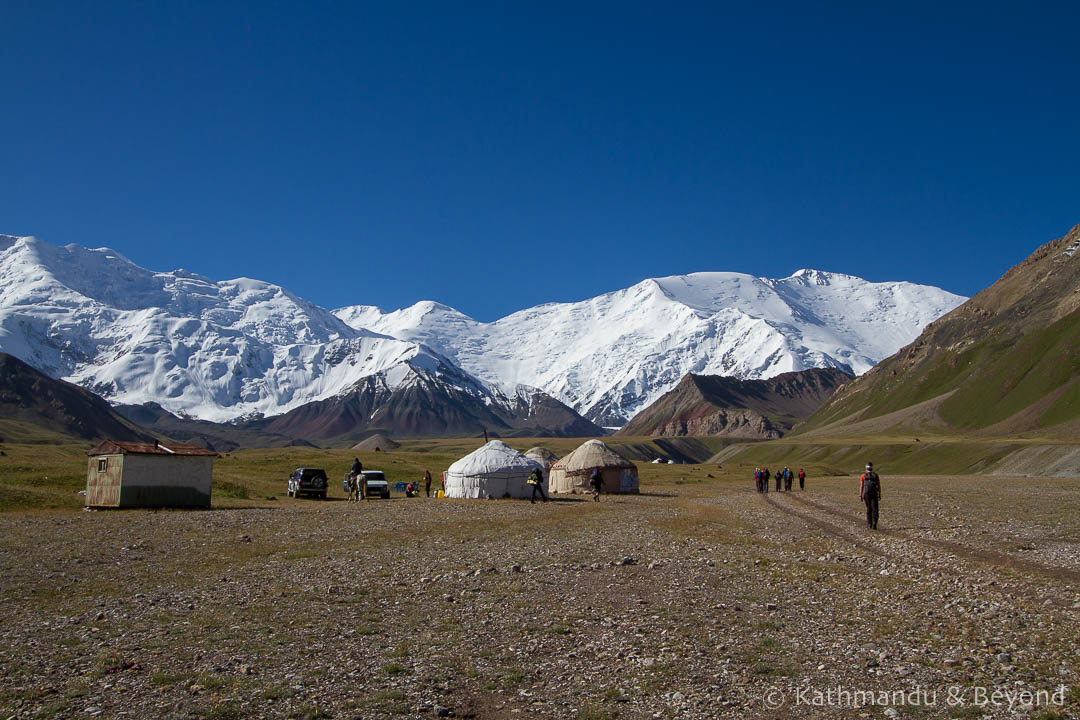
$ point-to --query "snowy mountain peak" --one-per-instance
(199, 348)
(613, 354)
(219, 350)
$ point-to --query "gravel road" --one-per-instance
(703, 600)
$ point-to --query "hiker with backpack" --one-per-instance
(802, 478)
(787, 479)
(757, 479)
(870, 493)
(536, 479)
(765, 476)
(779, 477)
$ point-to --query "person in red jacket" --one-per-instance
(802, 478)
(870, 494)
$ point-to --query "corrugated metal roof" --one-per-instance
(114, 447)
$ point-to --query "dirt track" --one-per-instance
(691, 601)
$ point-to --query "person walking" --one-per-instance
(596, 482)
(536, 479)
(765, 478)
(870, 493)
(802, 478)
(779, 477)
(427, 483)
(787, 479)
(757, 479)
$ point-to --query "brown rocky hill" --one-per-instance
(726, 406)
(428, 409)
(220, 437)
(377, 442)
(1006, 362)
(34, 406)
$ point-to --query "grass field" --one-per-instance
(41, 476)
(695, 599)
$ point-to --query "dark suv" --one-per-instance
(308, 481)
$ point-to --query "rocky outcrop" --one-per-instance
(728, 423)
(726, 406)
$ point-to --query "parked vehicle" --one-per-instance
(308, 481)
(377, 486)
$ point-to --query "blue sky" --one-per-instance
(496, 156)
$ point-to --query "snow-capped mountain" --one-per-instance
(199, 348)
(243, 348)
(614, 354)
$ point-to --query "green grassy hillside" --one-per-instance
(1005, 363)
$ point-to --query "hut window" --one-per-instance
(102, 465)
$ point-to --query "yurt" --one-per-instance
(543, 456)
(495, 470)
(571, 474)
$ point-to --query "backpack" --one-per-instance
(870, 485)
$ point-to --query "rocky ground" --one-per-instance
(694, 600)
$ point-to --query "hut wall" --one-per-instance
(150, 481)
(103, 474)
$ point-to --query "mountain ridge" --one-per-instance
(612, 355)
(711, 405)
(1005, 362)
(245, 349)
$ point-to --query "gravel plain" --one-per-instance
(700, 599)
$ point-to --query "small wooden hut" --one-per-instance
(130, 474)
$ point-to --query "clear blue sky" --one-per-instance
(496, 156)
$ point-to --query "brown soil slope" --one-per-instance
(752, 409)
(1006, 362)
(29, 396)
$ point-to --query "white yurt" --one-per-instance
(571, 474)
(495, 470)
(543, 456)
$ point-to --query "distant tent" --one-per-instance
(543, 456)
(495, 470)
(571, 474)
(376, 443)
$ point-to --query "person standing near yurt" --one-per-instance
(536, 479)
(427, 483)
(595, 481)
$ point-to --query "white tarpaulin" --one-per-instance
(495, 470)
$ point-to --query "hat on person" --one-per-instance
(869, 466)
